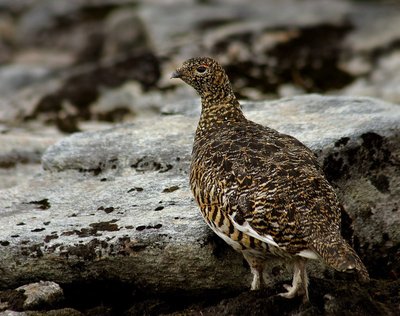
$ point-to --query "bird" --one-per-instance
(262, 191)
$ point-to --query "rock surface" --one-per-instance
(41, 293)
(68, 66)
(21, 153)
(115, 204)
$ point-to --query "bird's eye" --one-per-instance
(201, 69)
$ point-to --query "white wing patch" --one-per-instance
(309, 254)
(248, 230)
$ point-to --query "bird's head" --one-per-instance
(206, 76)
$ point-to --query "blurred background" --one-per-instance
(76, 65)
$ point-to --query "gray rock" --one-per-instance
(43, 293)
(116, 203)
(382, 82)
(21, 153)
(23, 147)
(12, 176)
(14, 77)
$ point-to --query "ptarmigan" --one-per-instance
(261, 191)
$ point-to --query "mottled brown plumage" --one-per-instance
(263, 192)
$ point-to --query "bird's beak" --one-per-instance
(176, 74)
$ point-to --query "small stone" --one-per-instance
(171, 189)
(41, 293)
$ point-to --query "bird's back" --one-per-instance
(268, 179)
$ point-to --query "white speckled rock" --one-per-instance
(43, 293)
(115, 204)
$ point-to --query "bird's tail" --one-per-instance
(338, 254)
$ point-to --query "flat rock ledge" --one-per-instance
(115, 204)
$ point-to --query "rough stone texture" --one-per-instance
(23, 148)
(21, 153)
(149, 217)
(43, 293)
(115, 204)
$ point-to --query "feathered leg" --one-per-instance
(257, 266)
(300, 281)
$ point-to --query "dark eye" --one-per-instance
(201, 69)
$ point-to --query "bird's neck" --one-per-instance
(218, 112)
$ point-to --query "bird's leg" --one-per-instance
(300, 281)
(257, 268)
(257, 282)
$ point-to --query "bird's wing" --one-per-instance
(276, 193)
(285, 215)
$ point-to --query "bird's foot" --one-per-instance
(299, 284)
(292, 291)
